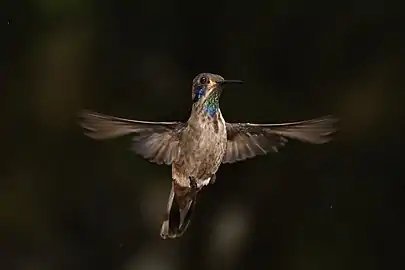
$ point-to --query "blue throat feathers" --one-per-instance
(211, 105)
(199, 94)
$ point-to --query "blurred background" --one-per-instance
(68, 202)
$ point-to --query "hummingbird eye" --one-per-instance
(203, 80)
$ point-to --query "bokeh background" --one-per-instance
(68, 202)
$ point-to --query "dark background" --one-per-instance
(68, 202)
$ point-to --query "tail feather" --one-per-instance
(177, 218)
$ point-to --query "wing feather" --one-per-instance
(155, 141)
(247, 140)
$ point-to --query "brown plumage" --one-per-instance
(197, 148)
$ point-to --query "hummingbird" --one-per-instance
(195, 149)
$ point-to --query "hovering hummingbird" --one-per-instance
(195, 149)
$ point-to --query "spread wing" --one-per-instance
(155, 141)
(247, 140)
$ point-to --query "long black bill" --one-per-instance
(230, 82)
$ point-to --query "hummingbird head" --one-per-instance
(206, 91)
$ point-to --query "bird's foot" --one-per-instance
(213, 179)
(194, 189)
(193, 183)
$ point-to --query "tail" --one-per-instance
(178, 216)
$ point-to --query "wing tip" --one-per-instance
(85, 117)
(327, 119)
(84, 113)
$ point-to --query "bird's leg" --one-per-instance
(193, 184)
(194, 189)
(213, 179)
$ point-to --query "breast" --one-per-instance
(202, 148)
